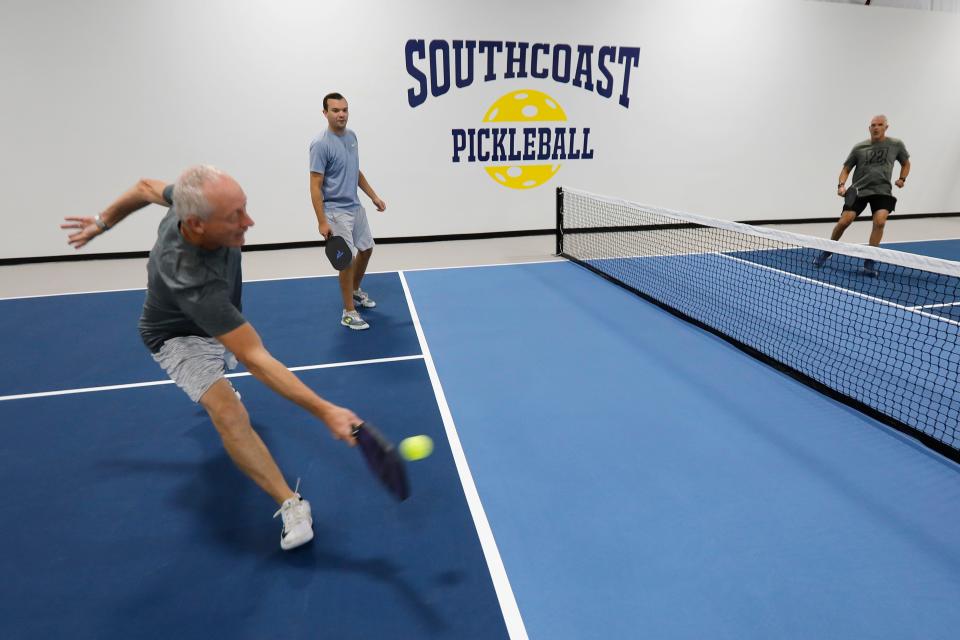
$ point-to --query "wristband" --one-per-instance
(103, 226)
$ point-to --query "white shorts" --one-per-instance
(353, 227)
(194, 363)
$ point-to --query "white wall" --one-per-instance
(739, 110)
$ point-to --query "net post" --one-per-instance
(559, 228)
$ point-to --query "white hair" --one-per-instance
(188, 197)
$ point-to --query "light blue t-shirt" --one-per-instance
(338, 159)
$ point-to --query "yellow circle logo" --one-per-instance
(523, 107)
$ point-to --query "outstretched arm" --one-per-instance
(367, 189)
(87, 228)
(245, 343)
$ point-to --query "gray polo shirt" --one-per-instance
(874, 163)
(190, 291)
(338, 159)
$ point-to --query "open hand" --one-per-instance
(85, 230)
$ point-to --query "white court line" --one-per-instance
(70, 293)
(851, 292)
(916, 241)
(82, 293)
(399, 271)
(482, 266)
(917, 309)
(153, 383)
(498, 573)
(468, 266)
(934, 306)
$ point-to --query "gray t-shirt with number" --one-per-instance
(190, 291)
(338, 159)
(874, 163)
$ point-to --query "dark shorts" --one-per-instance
(878, 202)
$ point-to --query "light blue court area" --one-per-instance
(641, 477)
(843, 329)
(943, 249)
(645, 479)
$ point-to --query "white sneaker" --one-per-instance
(352, 320)
(363, 299)
(297, 522)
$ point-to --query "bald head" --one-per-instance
(878, 127)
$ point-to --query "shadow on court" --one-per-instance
(127, 519)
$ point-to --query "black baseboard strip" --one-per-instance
(80, 257)
(893, 216)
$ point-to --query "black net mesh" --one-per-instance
(876, 328)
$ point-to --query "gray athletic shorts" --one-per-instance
(353, 227)
(194, 363)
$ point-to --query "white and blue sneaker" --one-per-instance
(361, 298)
(297, 522)
(352, 320)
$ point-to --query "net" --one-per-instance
(875, 328)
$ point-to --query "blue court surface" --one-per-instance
(603, 470)
(887, 341)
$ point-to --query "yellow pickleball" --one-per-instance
(416, 447)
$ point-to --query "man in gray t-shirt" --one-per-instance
(334, 177)
(191, 291)
(193, 325)
(873, 160)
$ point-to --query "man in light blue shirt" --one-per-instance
(334, 177)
